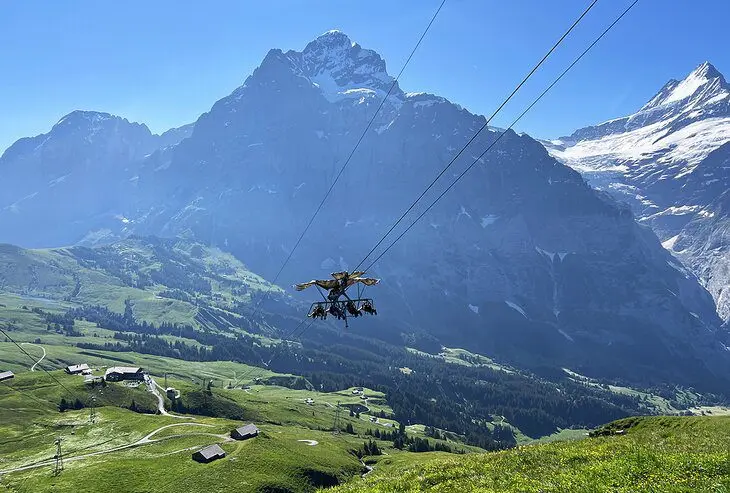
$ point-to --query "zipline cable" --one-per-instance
(347, 161)
(34, 361)
(486, 124)
(505, 131)
(524, 80)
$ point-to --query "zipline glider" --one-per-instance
(337, 289)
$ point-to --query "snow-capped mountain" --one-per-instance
(671, 162)
(522, 260)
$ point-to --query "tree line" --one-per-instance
(459, 398)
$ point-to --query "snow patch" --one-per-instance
(651, 148)
(686, 88)
(383, 128)
(546, 253)
(58, 180)
(564, 334)
(516, 307)
(669, 244)
(463, 212)
(677, 268)
(487, 220)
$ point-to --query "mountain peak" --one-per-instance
(707, 70)
(333, 39)
(342, 69)
(705, 84)
(83, 117)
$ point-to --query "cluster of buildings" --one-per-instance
(113, 374)
(214, 452)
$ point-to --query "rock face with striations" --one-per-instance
(522, 260)
(74, 180)
(671, 162)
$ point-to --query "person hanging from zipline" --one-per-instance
(336, 288)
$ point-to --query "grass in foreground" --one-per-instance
(655, 454)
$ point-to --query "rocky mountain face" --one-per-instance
(59, 186)
(522, 260)
(671, 162)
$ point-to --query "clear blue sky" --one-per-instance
(163, 63)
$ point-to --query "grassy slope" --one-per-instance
(64, 277)
(275, 460)
(667, 454)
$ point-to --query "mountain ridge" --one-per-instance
(671, 162)
(524, 262)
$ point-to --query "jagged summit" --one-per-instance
(669, 160)
(702, 94)
(340, 68)
(705, 84)
(84, 115)
(708, 70)
(333, 39)
(89, 123)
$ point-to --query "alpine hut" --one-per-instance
(209, 454)
(245, 432)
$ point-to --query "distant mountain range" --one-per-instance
(76, 179)
(671, 162)
(522, 261)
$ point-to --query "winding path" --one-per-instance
(32, 368)
(142, 441)
(153, 387)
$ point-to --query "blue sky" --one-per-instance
(163, 63)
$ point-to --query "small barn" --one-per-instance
(6, 375)
(209, 454)
(245, 432)
(119, 373)
(77, 369)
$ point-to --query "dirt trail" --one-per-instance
(32, 368)
(153, 387)
(141, 442)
